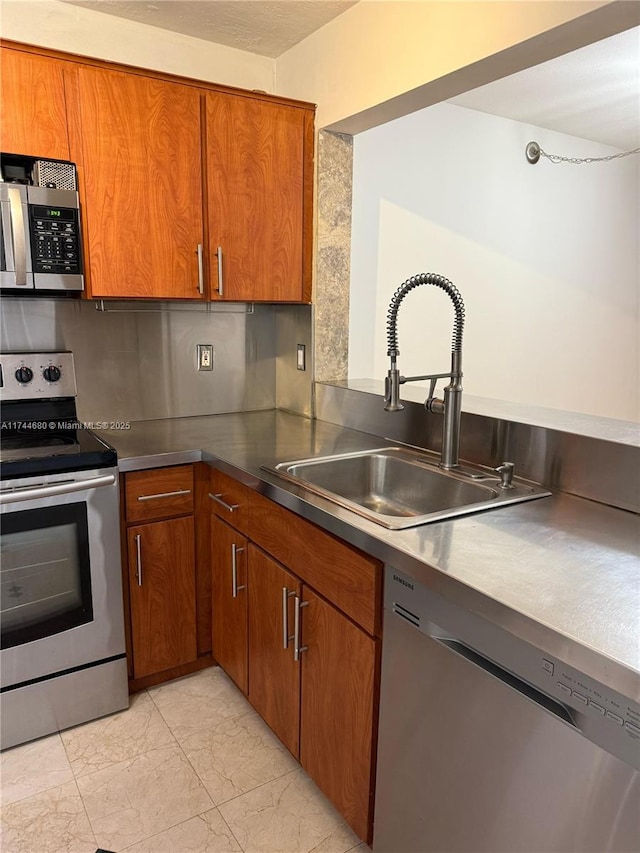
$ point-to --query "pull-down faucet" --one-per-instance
(451, 406)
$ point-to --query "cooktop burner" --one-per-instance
(40, 432)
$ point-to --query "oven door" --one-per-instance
(60, 574)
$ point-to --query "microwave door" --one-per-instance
(15, 252)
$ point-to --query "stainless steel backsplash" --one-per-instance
(137, 362)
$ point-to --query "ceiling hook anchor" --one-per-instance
(532, 152)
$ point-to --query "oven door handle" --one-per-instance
(11, 496)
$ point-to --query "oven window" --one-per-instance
(45, 575)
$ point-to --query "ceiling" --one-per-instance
(265, 27)
(592, 93)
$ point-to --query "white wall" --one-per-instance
(545, 256)
(378, 50)
(49, 23)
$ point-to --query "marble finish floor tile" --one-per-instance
(134, 799)
(52, 821)
(118, 737)
(199, 701)
(288, 815)
(207, 833)
(26, 770)
(236, 756)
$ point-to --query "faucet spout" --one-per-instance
(451, 406)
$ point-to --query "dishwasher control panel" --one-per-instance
(603, 715)
(575, 689)
(578, 690)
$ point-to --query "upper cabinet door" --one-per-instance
(141, 185)
(255, 155)
(32, 106)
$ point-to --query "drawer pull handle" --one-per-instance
(286, 637)
(138, 539)
(234, 570)
(218, 499)
(164, 495)
(297, 648)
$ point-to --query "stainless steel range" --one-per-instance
(62, 655)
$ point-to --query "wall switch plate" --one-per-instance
(301, 362)
(204, 356)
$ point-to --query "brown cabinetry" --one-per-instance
(229, 600)
(313, 648)
(162, 595)
(255, 155)
(33, 106)
(228, 501)
(141, 185)
(274, 675)
(168, 622)
(339, 709)
(169, 170)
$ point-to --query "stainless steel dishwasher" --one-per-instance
(487, 745)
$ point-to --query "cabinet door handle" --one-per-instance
(200, 270)
(164, 495)
(234, 570)
(286, 637)
(220, 278)
(138, 539)
(218, 499)
(297, 648)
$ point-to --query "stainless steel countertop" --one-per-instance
(560, 572)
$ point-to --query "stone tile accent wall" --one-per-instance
(333, 256)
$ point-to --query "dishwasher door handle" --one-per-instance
(508, 678)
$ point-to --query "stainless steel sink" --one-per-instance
(399, 487)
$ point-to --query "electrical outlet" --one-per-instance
(204, 356)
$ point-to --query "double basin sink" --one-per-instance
(398, 487)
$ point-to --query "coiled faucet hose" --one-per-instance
(415, 281)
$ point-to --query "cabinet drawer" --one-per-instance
(344, 575)
(159, 493)
(229, 500)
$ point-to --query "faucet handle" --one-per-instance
(506, 474)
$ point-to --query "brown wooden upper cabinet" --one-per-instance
(259, 229)
(141, 185)
(33, 118)
(188, 190)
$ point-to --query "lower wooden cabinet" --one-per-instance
(166, 572)
(338, 668)
(307, 666)
(321, 705)
(229, 600)
(274, 675)
(162, 595)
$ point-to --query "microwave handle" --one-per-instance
(17, 228)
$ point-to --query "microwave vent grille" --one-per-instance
(61, 175)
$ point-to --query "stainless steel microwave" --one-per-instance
(40, 240)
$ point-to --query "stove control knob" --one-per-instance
(24, 375)
(51, 373)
